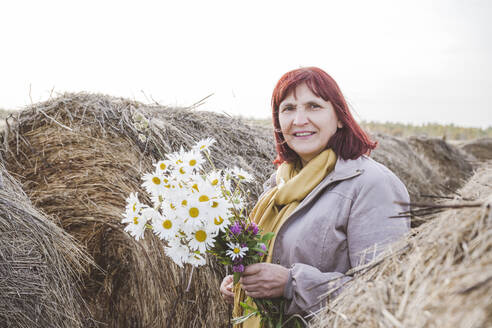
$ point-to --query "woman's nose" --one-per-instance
(300, 118)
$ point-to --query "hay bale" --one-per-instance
(426, 166)
(40, 265)
(481, 148)
(79, 156)
(437, 276)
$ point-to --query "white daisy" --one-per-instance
(193, 213)
(220, 222)
(154, 183)
(177, 252)
(193, 160)
(214, 178)
(133, 205)
(196, 259)
(136, 225)
(241, 174)
(201, 239)
(165, 227)
(163, 166)
(236, 251)
(204, 144)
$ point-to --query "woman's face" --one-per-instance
(307, 122)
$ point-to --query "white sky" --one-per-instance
(407, 61)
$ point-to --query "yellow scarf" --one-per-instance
(294, 183)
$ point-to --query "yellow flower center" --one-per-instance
(167, 186)
(215, 182)
(203, 198)
(156, 180)
(202, 147)
(184, 202)
(194, 212)
(134, 207)
(201, 236)
(195, 186)
(163, 166)
(218, 220)
(182, 171)
(172, 206)
(167, 224)
(236, 250)
(135, 220)
(215, 204)
(193, 162)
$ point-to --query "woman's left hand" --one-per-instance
(264, 280)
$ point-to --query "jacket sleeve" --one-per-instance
(368, 232)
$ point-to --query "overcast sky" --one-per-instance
(402, 61)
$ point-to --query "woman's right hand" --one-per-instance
(226, 289)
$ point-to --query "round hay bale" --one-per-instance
(450, 163)
(428, 167)
(437, 276)
(481, 148)
(415, 172)
(79, 156)
(40, 266)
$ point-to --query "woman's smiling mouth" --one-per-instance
(303, 134)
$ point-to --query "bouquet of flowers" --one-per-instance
(196, 212)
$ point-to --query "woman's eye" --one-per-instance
(314, 106)
(287, 108)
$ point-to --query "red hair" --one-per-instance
(348, 142)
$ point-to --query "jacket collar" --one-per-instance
(344, 170)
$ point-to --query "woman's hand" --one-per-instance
(264, 280)
(226, 289)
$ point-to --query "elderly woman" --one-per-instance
(328, 203)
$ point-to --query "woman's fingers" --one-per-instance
(264, 280)
(226, 289)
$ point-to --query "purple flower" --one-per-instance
(263, 247)
(238, 268)
(253, 228)
(236, 228)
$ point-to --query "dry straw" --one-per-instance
(79, 156)
(427, 166)
(40, 266)
(440, 275)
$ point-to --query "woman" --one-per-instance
(329, 204)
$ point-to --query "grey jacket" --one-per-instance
(342, 223)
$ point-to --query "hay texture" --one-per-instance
(481, 149)
(438, 276)
(40, 266)
(80, 155)
(427, 166)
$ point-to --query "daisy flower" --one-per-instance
(236, 251)
(133, 205)
(220, 223)
(193, 160)
(177, 252)
(136, 225)
(201, 239)
(242, 174)
(196, 260)
(153, 183)
(165, 227)
(204, 144)
(162, 166)
(214, 178)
